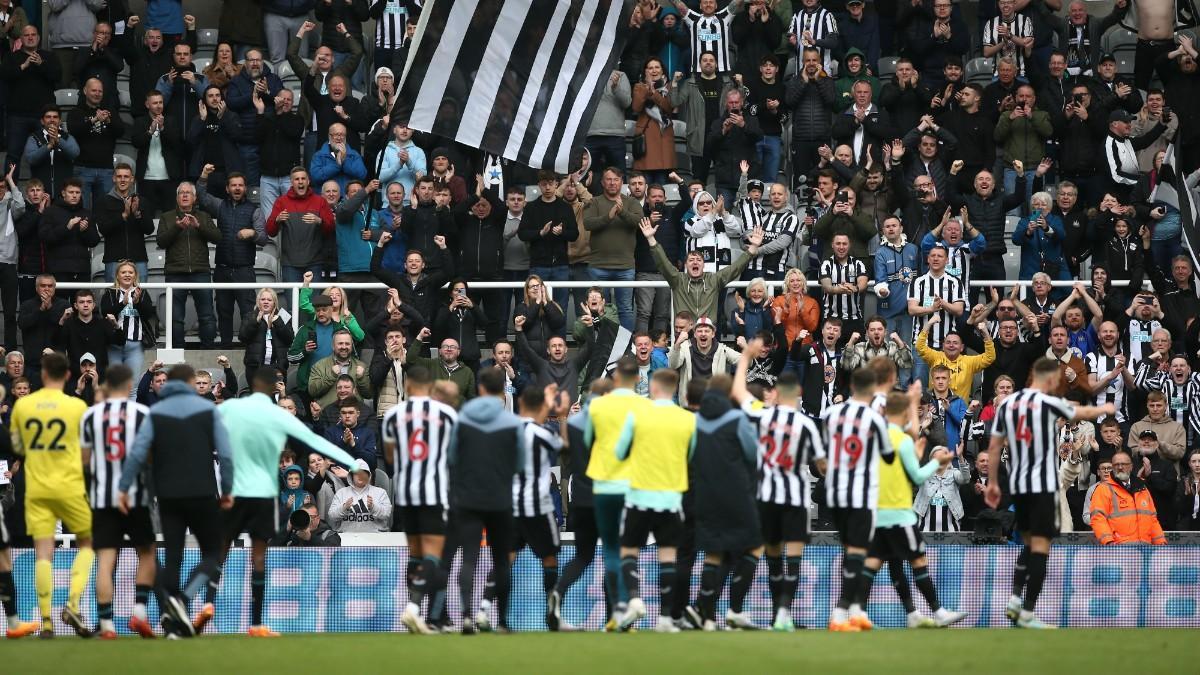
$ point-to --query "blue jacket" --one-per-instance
(1042, 245)
(405, 173)
(756, 318)
(354, 252)
(324, 167)
(365, 444)
(955, 411)
(896, 268)
(396, 249)
(239, 97)
(166, 15)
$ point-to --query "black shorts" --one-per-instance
(256, 516)
(899, 542)
(1037, 514)
(420, 519)
(110, 527)
(539, 532)
(4, 536)
(855, 526)
(637, 524)
(781, 522)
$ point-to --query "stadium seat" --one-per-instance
(266, 266)
(206, 37)
(887, 68)
(532, 192)
(1119, 40)
(672, 190)
(284, 70)
(979, 70)
(123, 159)
(254, 195)
(66, 98)
(1124, 63)
(201, 64)
(790, 70)
(630, 125)
(680, 129)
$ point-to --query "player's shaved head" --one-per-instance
(787, 387)
(600, 387)
(117, 377)
(719, 383)
(897, 403)
(884, 369)
(491, 382)
(1044, 368)
(532, 399)
(626, 372)
(263, 381)
(418, 379)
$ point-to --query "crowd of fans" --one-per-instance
(893, 192)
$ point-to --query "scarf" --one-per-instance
(651, 108)
(712, 220)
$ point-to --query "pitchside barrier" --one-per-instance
(358, 589)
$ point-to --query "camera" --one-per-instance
(300, 520)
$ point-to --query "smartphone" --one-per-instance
(460, 292)
(1037, 213)
(843, 196)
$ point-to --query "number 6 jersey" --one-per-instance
(417, 435)
(855, 438)
(108, 431)
(787, 441)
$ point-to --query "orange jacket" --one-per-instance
(1119, 517)
(795, 317)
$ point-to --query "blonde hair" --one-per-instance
(756, 282)
(1041, 197)
(525, 290)
(125, 263)
(345, 312)
(274, 300)
(795, 272)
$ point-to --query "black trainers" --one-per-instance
(75, 621)
(553, 602)
(468, 626)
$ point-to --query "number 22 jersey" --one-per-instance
(45, 429)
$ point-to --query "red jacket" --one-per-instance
(293, 203)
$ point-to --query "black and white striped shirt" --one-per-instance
(1026, 420)
(711, 35)
(418, 433)
(958, 262)
(844, 306)
(774, 224)
(855, 437)
(391, 28)
(1182, 399)
(531, 485)
(129, 319)
(1136, 341)
(821, 24)
(109, 429)
(1019, 25)
(787, 440)
(1100, 365)
(925, 289)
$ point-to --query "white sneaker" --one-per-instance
(709, 626)
(919, 620)
(664, 625)
(946, 617)
(635, 611)
(1013, 609)
(739, 620)
(483, 623)
(412, 619)
(1028, 619)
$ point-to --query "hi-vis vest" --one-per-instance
(895, 490)
(662, 436)
(608, 419)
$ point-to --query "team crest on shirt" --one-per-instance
(754, 109)
(905, 274)
(830, 372)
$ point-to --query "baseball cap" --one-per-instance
(322, 300)
(705, 321)
(87, 357)
(1119, 115)
(439, 152)
(361, 465)
(854, 2)
(1148, 433)
(755, 184)
(1107, 56)
(384, 70)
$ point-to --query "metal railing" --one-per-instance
(168, 311)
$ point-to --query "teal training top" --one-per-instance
(258, 431)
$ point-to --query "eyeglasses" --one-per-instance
(1119, 464)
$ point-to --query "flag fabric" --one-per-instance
(519, 79)
(1172, 189)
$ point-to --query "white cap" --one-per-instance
(361, 465)
(384, 70)
(87, 356)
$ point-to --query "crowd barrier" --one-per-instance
(354, 589)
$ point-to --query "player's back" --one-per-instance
(420, 430)
(257, 430)
(855, 438)
(45, 428)
(109, 430)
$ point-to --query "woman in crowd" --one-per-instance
(1040, 236)
(753, 313)
(342, 314)
(795, 309)
(1187, 500)
(267, 335)
(652, 105)
(938, 503)
(223, 68)
(135, 313)
(459, 320)
(543, 317)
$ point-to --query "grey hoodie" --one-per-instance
(72, 22)
(11, 208)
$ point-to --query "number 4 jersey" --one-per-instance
(855, 438)
(109, 430)
(787, 441)
(417, 433)
(45, 429)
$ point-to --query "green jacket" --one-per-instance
(324, 375)
(612, 241)
(187, 250)
(462, 376)
(300, 358)
(1024, 138)
(308, 313)
(698, 296)
(860, 228)
(845, 81)
(579, 330)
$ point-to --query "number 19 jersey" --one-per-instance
(109, 430)
(855, 438)
(418, 432)
(787, 440)
(45, 429)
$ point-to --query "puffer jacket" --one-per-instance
(240, 98)
(233, 217)
(187, 250)
(812, 104)
(72, 21)
(68, 251)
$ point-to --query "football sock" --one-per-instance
(743, 576)
(414, 570)
(430, 565)
(852, 565)
(437, 589)
(925, 585)
(81, 571)
(791, 580)
(44, 581)
(900, 583)
(489, 587)
(141, 596)
(710, 588)
(866, 579)
(104, 611)
(418, 579)
(549, 578)
(8, 597)
(610, 593)
(775, 579)
(666, 587)
(629, 573)
(1020, 572)
(210, 590)
(258, 587)
(1037, 577)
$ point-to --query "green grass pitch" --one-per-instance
(890, 652)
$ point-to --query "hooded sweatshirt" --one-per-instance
(710, 234)
(12, 206)
(370, 509)
(484, 455)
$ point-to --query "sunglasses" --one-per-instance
(706, 202)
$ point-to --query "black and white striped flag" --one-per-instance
(1172, 189)
(516, 78)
